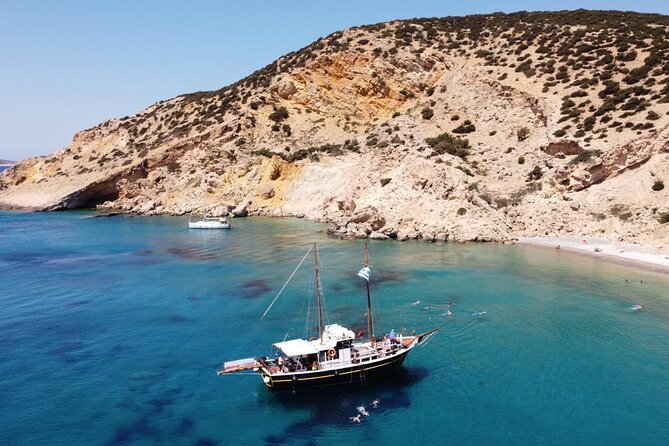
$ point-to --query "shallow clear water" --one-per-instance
(111, 330)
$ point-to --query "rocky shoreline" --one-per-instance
(434, 129)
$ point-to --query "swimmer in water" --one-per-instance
(637, 307)
(376, 403)
(363, 411)
(416, 303)
(355, 419)
(479, 313)
(428, 307)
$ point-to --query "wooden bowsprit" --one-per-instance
(238, 365)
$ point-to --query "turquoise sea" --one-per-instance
(111, 330)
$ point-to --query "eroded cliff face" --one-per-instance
(565, 117)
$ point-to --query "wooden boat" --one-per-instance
(337, 356)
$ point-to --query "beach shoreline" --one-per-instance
(625, 254)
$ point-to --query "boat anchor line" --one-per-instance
(336, 356)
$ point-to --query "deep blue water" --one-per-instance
(3, 168)
(111, 330)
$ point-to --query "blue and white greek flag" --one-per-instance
(364, 273)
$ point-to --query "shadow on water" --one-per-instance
(192, 253)
(147, 409)
(255, 288)
(333, 406)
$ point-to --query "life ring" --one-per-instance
(332, 353)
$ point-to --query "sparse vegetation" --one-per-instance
(584, 156)
(535, 174)
(658, 185)
(173, 166)
(523, 133)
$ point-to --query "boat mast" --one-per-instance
(370, 322)
(318, 294)
(204, 197)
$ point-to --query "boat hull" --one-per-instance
(208, 225)
(353, 374)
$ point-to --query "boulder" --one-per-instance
(285, 89)
(241, 210)
(565, 147)
(267, 192)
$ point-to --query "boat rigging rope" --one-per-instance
(285, 284)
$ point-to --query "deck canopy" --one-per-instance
(296, 347)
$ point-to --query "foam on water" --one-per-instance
(111, 330)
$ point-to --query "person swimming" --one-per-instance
(637, 307)
(480, 313)
(363, 411)
(375, 403)
(355, 419)
(416, 303)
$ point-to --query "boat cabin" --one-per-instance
(332, 350)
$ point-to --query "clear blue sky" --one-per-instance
(68, 65)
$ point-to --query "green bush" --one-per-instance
(463, 211)
(279, 114)
(521, 159)
(465, 127)
(658, 185)
(446, 143)
(652, 116)
(427, 113)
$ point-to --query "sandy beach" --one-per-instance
(627, 254)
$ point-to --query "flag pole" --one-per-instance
(370, 321)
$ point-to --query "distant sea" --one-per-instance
(3, 168)
(112, 329)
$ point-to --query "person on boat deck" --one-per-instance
(314, 366)
(392, 336)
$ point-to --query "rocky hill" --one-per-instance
(483, 127)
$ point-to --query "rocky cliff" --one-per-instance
(483, 127)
